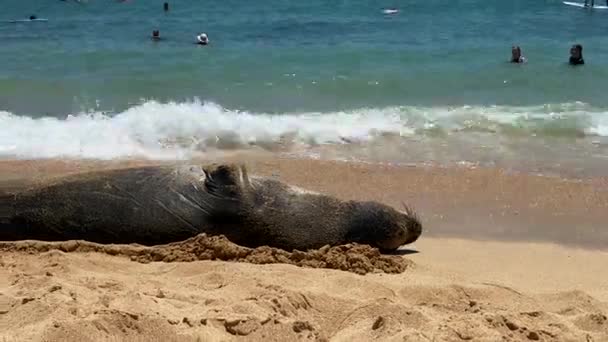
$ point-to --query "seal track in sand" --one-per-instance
(356, 258)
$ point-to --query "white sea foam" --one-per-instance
(174, 130)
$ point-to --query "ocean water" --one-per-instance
(431, 83)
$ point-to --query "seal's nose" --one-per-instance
(414, 230)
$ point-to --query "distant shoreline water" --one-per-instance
(281, 56)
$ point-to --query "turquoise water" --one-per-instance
(333, 71)
(277, 56)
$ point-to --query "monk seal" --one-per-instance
(154, 205)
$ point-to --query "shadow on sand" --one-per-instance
(404, 251)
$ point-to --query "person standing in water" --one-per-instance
(166, 6)
(516, 56)
(592, 3)
(576, 55)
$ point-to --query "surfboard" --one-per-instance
(26, 20)
(390, 11)
(582, 5)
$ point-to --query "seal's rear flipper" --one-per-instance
(14, 227)
(7, 207)
(9, 225)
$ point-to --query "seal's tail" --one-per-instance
(8, 224)
(6, 206)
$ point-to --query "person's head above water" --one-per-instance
(156, 35)
(166, 6)
(516, 56)
(576, 51)
(32, 17)
(515, 53)
(202, 39)
(576, 54)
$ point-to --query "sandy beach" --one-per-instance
(483, 122)
(503, 257)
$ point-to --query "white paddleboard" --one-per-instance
(27, 20)
(582, 5)
(390, 11)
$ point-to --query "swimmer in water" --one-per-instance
(593, 3)
(166, 6)
(202, 39)
(32, 17)
(516, 56)
(576, 55)
(155, 35)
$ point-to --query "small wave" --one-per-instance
(175, 130)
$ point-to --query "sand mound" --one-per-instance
(360, 259)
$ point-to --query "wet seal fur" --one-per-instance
(161, 204)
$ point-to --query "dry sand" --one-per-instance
(455, 288)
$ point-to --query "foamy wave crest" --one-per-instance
(175, 130)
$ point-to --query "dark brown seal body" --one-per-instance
(162, 204)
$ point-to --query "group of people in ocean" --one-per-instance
(576, 55)
(592, 3)
(201, 38)
(576, 51)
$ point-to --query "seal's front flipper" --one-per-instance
(225, 189)
(225, 181)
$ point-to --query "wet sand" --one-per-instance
(472, 203)
(504, 257)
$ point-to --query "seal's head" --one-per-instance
(381, 226)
